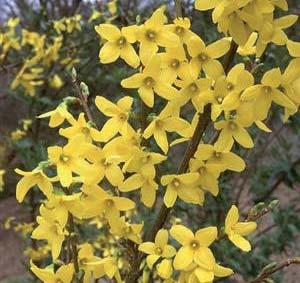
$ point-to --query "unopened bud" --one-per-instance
(74, 74)
(84, 89)
(269, 267)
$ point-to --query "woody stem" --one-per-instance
(178, 8)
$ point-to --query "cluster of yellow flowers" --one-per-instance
(93, 172)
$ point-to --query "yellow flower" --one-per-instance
(104, 164)
(158, 249)
(58, 116)
(232, 130)
(272, 31)
(181, 27)
(63, 275)
(118, 44)
(30, 179)
(180, 186)
(56, 82)
(82, 129)
(195, 248)
(204, 57)
(150, 80)
(237, 230)
(128, 230)
(68, 159)
(119, 114)
(163, 123)
(293, 48)
(145, 181)
(226, 160)
(50, 228)
(208, 175)
(266, 93)
(154, 33)
(227, 90)
(96, 201)
(249, 48)
(173, 63)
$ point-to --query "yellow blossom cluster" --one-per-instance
(91, 177)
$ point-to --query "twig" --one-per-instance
(178, 8)
(276, 184)
(265, 274)
(230, 56)
(83, 99)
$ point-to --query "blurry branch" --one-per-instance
(280, 178)
(269, 270)
(83, 97)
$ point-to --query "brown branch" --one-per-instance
(268, 272)
(190, 151)
(178, 8)
(83, 99)
(230, 56)
(276, 184)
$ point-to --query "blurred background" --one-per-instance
(40, 41)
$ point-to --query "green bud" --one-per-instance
(74, 74)
(269, 267)
(274, 203)
(84, 89)
(268, 280)
(138, 19)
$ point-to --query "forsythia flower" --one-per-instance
(119, 114)
(237, 230)
(118, 45)
(180, 186)
(67, 160)
(162, 124)
(149, 81)
(204, 57)
(30, 179)
(266, 93)
(154, 33)
(159, 249)
(232, 130)
(81, 128)
(63, 275)
(51, 228)
(195, 247)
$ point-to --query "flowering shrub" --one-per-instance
(188, 92)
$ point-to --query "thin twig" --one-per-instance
(267, 273)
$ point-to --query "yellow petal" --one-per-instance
(240, 242)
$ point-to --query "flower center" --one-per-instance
(202, 170)
(109, 202)
(194, 244)
(193, 88)
(151, 35)
(179, 30)
(176, 183)
(123, 117)
(85, 131)
(267, 89)
(230, 86)
(175, 63)
(232, 126)
(64, 158)
(149, 82)
(217, 155)
(220, 99)
(203, 57)
(122, 41)
(158, 251)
